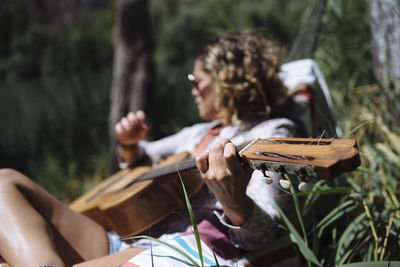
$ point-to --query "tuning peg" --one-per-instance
(280, 169)
(285, 183)
(267, 180)
(262, 174)
(305, 187)
(301, 172)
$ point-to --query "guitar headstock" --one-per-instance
(304, 157)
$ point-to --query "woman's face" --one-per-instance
(203, 92)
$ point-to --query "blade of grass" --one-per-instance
(347, 237)
(335, 214)
(296, 238)
(371, 223)
(338, 190)
(312, 198)
(152, 258)
(215, 258)
(315, 239)
(355, 129)
(386, 237)
(297, 207)
(193, 220)
(354, 185)
(372, 264)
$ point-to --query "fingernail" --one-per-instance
(140, 114)
(131, 116)
(126, 123)
(118, 128)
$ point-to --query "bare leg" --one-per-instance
(37, 229)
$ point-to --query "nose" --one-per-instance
(195, 91)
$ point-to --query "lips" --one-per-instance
(197, 101)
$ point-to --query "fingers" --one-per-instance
(118, 128)
(132, 120)
(230, 156)
(126, 124)
(132, 128)
(217, 163)
(202, 163)
(220, 162)
(226, 179)
(137, 117)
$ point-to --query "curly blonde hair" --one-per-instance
(245, 71)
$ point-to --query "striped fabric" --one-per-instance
(162, 255)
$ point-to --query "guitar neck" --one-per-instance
(179, 167)
(158, 172)
(306, 158)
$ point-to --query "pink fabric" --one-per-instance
(129, 264)
(214, 234)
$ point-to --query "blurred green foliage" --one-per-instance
(56, 77)
(54, 104)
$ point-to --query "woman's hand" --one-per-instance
(132, 128)
(227, 179)
(129, 131)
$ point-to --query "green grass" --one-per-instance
(364, 222)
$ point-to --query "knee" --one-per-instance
(10, 176)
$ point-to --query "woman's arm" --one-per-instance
(228, 180)
(249, 209)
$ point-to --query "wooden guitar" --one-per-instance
(132, 200)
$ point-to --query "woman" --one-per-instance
(236, 86)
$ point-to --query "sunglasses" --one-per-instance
(193, 80)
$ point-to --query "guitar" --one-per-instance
(132, 200)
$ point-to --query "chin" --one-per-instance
(203, 116)
(201, 112)
(207, 117)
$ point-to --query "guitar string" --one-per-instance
(276, 155)
(284, 142)
(284, 156)
(320, 137)
(280, 142)
(309, 143)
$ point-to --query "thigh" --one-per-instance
(75, 236)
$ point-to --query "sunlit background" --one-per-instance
(56, 63)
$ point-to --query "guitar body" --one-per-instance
(128, 207)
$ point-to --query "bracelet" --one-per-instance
(129, 146)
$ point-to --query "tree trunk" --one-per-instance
(132, 64)
(384, 19)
